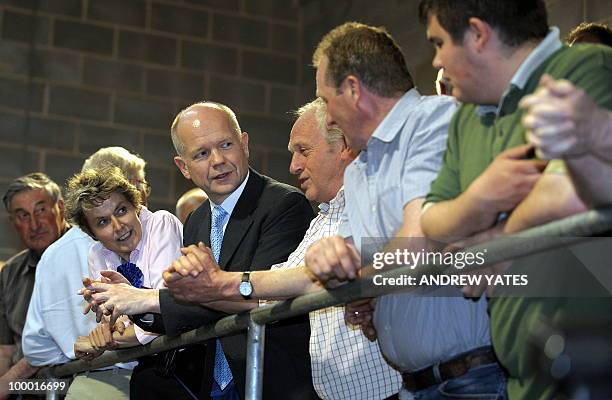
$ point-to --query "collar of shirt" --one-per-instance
(230, 202)
(393, 122)
(334, 204)
(113, 258)
(31, 261)
(543, 50)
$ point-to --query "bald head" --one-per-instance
(197, 114)
(189, 201)
(212, 152)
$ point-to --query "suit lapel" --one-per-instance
(197, 227)
(204, 233)
(241, 218)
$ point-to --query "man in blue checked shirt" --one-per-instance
(438, 341)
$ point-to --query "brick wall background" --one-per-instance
(400, 17)
(77, 75)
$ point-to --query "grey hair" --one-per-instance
(130, 164)
(331, 134)
(32, 181)
(179, 147)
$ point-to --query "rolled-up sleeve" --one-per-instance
(425, 153)
(446, 185)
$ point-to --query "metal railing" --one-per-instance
(567, 231)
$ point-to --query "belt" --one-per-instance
(453, 368)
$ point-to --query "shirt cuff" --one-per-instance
(143, 336)
(557, 167)
(427, 206)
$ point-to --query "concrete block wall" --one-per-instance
(77, 75)
(400, 17)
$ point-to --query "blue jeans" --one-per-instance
(486, 382)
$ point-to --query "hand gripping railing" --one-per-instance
(559, 233)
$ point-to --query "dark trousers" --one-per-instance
(165, 377)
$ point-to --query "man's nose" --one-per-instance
(34, 222)
(216, 157)
(296, 166)
(437, 64)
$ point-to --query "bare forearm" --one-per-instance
(455, 219)
(21, 370)
(591, 176)
(6, 358)
(591, 172)
(553, 197)
(601, 135)
(284, 283)
(277, 284)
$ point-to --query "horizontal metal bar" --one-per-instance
(555, 234)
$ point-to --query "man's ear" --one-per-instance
(478, 34)
(62, 208)
(347, 154)
(352, 87)
(350, 154)
(244, 142)
(182, 166)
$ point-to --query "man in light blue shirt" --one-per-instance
(362, 76)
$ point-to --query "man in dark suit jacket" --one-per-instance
(268, 222)
(265, 222)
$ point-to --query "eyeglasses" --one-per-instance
(143, 186)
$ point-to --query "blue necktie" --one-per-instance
(222, 372)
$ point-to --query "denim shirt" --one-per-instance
(402, 157)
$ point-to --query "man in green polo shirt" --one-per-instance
(493, 54)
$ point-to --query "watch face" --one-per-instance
(245, 288)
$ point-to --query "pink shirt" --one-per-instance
(160, 245)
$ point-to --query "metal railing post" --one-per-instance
(256, 340)
(52, 393)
